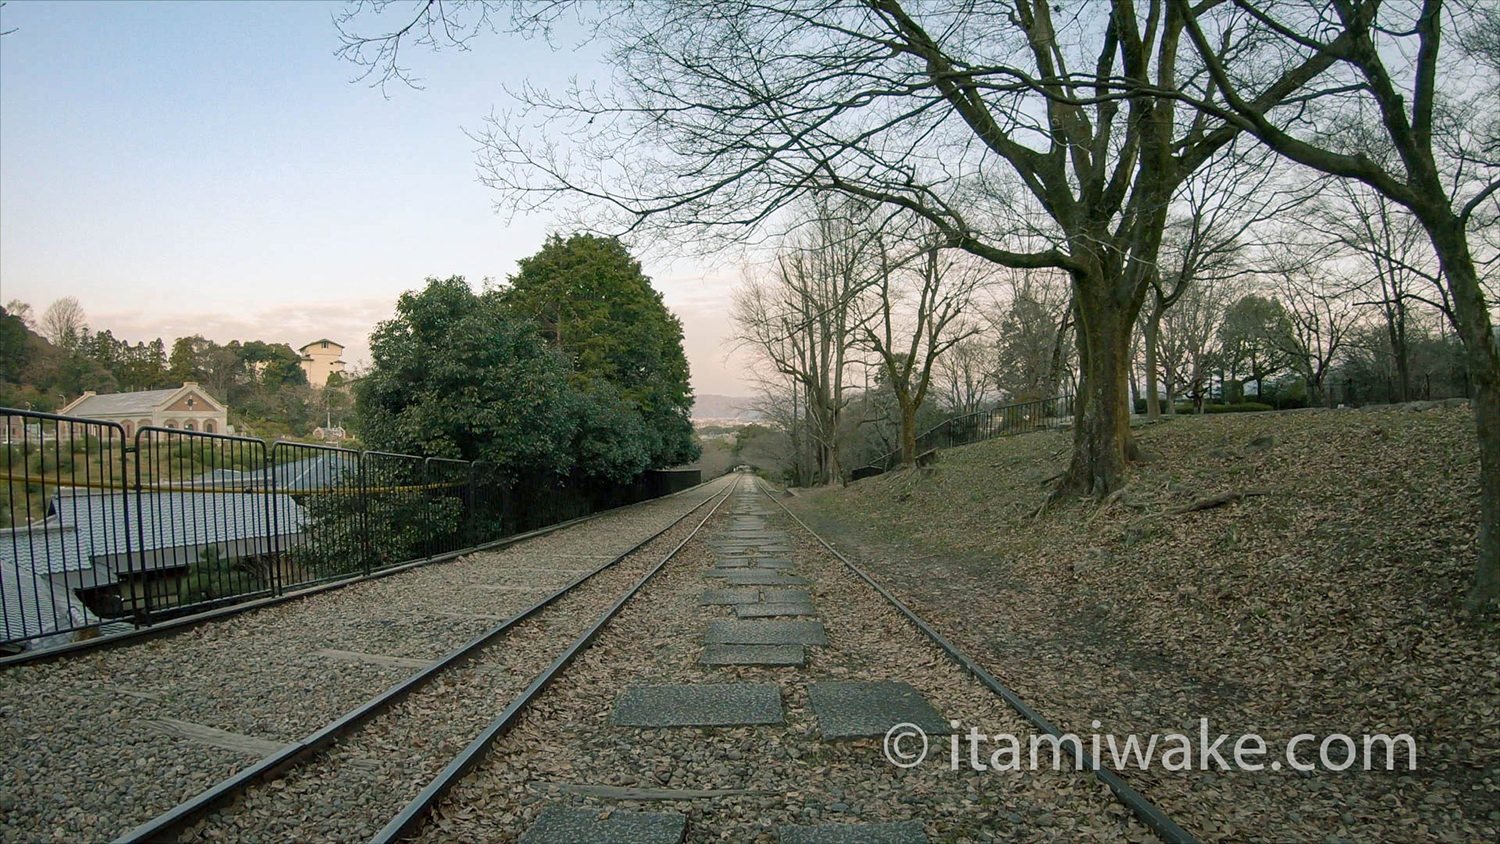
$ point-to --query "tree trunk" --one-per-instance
(1132, 386)
(1102, 445)
(908, 433)
(1056, 361)
(1482, 359)
(1151, 332)
(1401, 349)
(835, 466)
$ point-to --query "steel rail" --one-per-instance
(1159, 822)
(165, 628)
(169, 825)
(415, 812)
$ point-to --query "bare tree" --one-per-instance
(914, 314)
(1033, 327)
(972, 116)
(1390, 63)
(1320, 320)
(22, 311)
(800, 321)
(965, 374)
(1214, 210)
(64, 324)
(1400, 272)
(1188, 341)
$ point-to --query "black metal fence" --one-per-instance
(1348, 392)
(101, 530)
(1013, 418)
(1019, 417)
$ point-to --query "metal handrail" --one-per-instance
(173, 522)
(941, 435)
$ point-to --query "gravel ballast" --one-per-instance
(743, 783)
(87, 758)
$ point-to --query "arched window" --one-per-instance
(143, 423)
(172, 423)
(129, 428)
(188, 426)
(208, 427)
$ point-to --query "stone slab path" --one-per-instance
(759, 577)
(859, 709)
(769, 609)
(904, 832)
(729, 597)
(774, 624)
(753, 655)
(764, 632)
(567, 825)
(716, 705)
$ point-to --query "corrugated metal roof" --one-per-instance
(47, 548)
(176, 519)
(32, 606)
(313, 473)
(85, 530)
(317, 472)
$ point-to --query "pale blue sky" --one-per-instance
(209, 167)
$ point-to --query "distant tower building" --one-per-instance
(320, 359)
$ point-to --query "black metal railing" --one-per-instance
(107, 527)
(1012, 418)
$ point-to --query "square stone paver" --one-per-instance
(735, 563)
(753, 655)
(751, 550)
(766, 610)
(786, 596)
(776, 562)
(773, 563)
(759, 577)
(574, 825)
(752, 535)
(850, 710)
(699, 705)
(725, 597)
(764, 563)
(904, 832)
(763, 632)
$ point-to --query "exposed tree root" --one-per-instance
(1213, 501)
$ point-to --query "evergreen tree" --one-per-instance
(591, 302)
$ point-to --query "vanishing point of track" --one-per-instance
(476, 671)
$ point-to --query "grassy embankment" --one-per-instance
(1325, 600)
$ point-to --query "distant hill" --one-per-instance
(724, 408)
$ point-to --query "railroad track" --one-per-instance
(1153, 817)
(464, 791)
(427, 712)
(456, 807)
